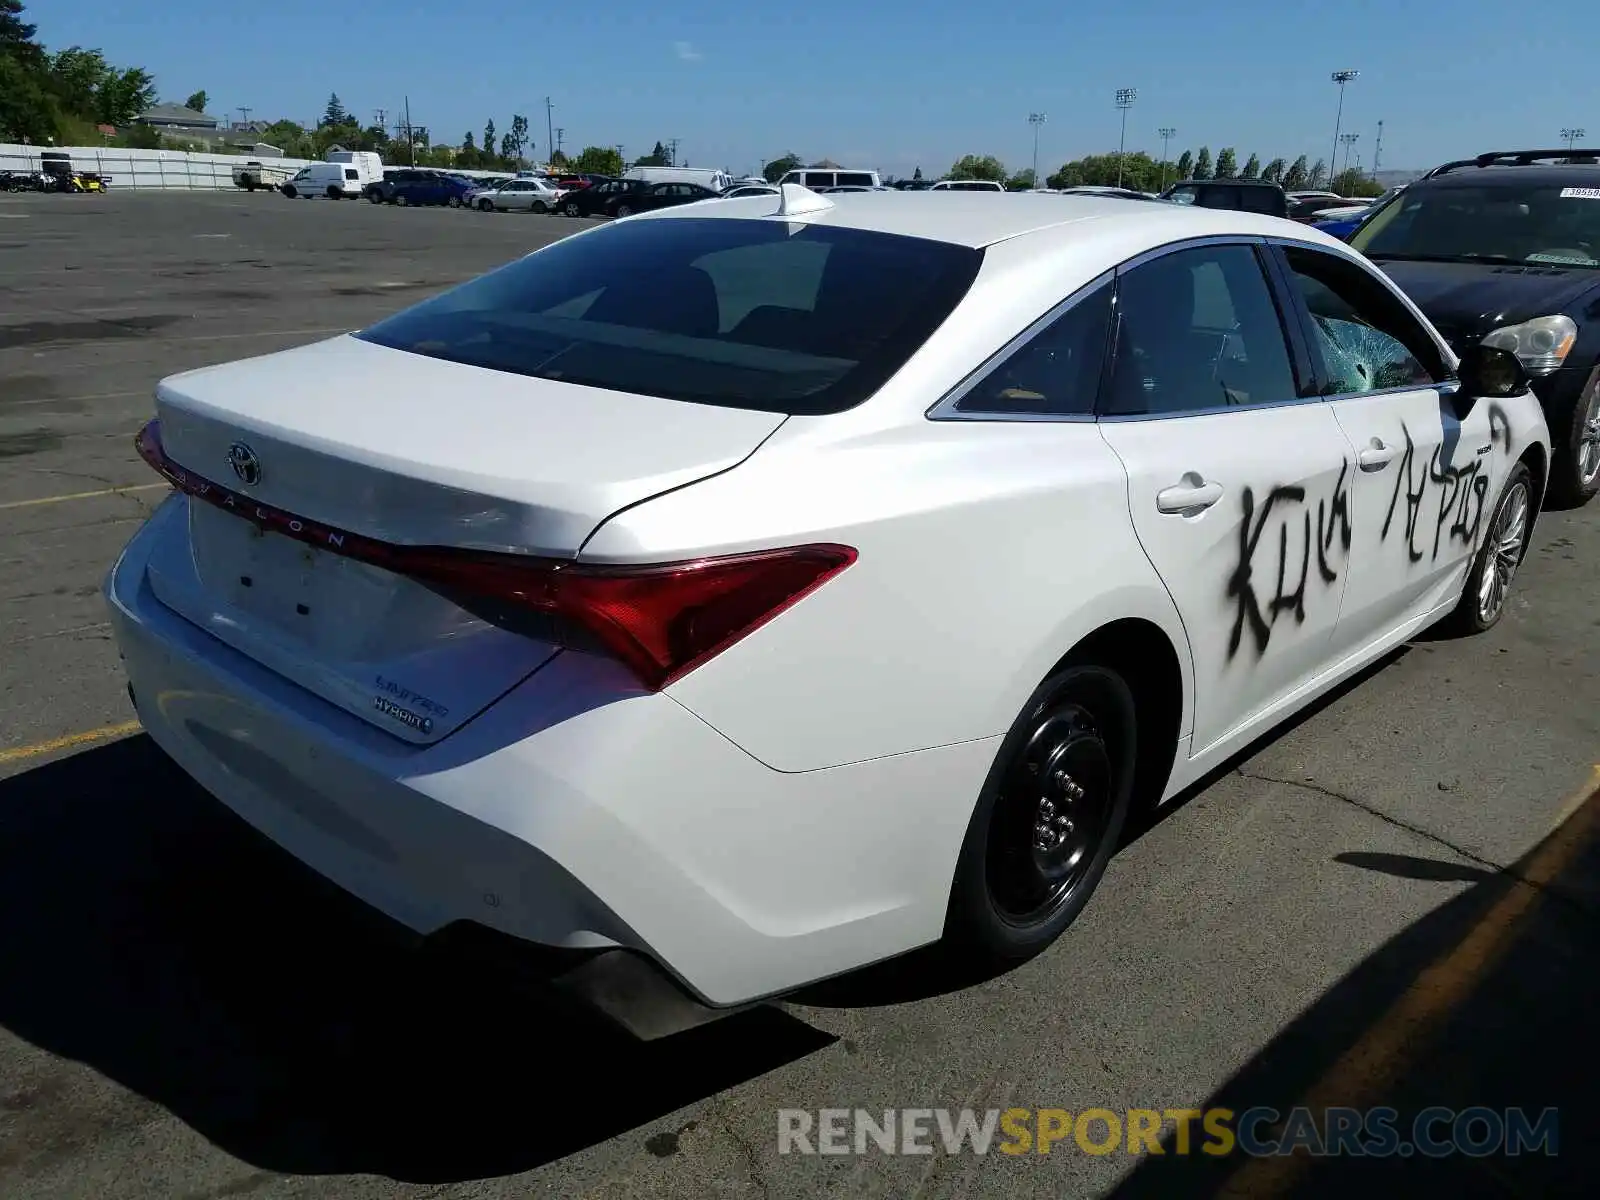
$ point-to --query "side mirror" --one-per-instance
(1488, 372)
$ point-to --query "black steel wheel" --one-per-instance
(1049, 818)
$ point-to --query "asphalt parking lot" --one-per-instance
(1394, 901)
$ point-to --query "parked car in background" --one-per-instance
(1120, 193)
(592, 201)
(336, 181)
(419, 186)
(749, 189)
(1305, 207)
(481, 187)
(714, 180)
(968, 185)
(677, 594)
(821, 177)
(522, 195)
(1238, 195)
(1504, 250)
(656, 195)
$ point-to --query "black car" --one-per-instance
(591, 201)
(1504, 250)
(1240, 195)
(656, 195)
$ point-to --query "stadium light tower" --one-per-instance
(1349, 140)
(1036, 120)
(1166, 133)
(1572, 137)
(1125, 99)
(1341, 78)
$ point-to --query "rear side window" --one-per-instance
(1057, 373)
(749, 314)
(351, 173)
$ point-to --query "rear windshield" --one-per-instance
(755, 314)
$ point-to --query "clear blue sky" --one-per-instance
(892, 84)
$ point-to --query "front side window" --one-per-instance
(1553, 223)
(1198, 330)
(1367, 339)
(1057, 373)
(740, 313)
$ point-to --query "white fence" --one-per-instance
(175, 170)
(157, 169)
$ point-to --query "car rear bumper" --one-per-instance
(572, 813)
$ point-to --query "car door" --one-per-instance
(1238, 474)
(1426, 478)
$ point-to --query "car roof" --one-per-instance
(977, 221)
(1551, 175)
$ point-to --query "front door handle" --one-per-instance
(1189, 496)
(1376, 456)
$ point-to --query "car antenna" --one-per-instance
(794, 199)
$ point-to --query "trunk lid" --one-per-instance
(349, 438)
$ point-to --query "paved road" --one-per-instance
(1366, 909)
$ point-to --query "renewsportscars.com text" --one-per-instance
(1216, 1132)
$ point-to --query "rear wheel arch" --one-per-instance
(1144, 655)
(1538, 465)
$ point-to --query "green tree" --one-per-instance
(91, 89)
(289, 137)
(559, 159)
(28, 110)
(1202, 163)
(975, 166)
(335, 113)
(1139, 171)
(1295, 178)
(1319, 173)
(779, 167)
(1022, 181)
(519, 137)
(1274, 171)
(599, 160)
(656, 158)
(197, 102)
(1351, 182)
(916, 175)
(1252, 168)
(1227, 164)
(1186, 165)
(488, 139)
(145, 137)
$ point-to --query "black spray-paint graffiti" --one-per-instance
(1462, 491)
(1288, 596)
(1462, 496)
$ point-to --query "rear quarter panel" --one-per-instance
(987, 551)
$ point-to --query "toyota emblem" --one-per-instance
(244, 462)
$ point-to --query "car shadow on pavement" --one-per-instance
(148, 933)
(1488, 1002)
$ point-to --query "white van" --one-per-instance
(717, 181)
(815, 177)
(336, 181)
(368, 164)
(967, 185)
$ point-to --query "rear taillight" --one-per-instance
(661, 621)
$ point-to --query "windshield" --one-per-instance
(757, 314)
(1522, 223)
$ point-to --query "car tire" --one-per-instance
(540, 207)
(573, 210)
(401, 200)
(624, 210)
(455, 201)
(1048, 820)
(290, 191)
(1575, 450)
(375, 196)
(334, 193)
(1494, 567)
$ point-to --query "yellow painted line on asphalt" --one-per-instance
(1366, 1072)
(115, 491)
(70, 742)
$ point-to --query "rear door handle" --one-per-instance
(1377, 456)
(1191, 495)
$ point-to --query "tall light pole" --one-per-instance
(1341, 78)
(1349, 140)
(1572, 136)
(1377, 152)
(1125, 99)
(1166, 133)
(549, 128)
(1036, 120)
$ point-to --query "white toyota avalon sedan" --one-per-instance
(752, 591)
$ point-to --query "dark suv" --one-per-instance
(1240, 195)
(1504, 250)
(413, 185)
